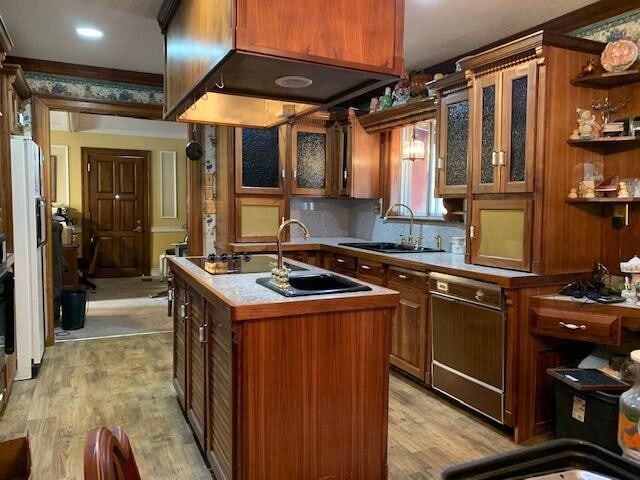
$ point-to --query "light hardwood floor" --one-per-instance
(127, 381)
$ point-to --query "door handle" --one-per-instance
(494, 158)
(202, 337)
(341, 260)
(365, 267)
(139, 228)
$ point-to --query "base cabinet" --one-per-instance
(179, 339)
(272, 397)
(409, 328)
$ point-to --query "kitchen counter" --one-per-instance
(248, 300)
(427, 262)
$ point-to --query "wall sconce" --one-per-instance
(413, 149)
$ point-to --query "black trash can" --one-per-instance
(74, 303)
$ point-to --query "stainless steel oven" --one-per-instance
(468, 327)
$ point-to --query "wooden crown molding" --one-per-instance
(451, 83)
(166, 12)
(69, 104)
(19, 82)
(523, 49)
(88, 71)
(399, 116)
(596, 12)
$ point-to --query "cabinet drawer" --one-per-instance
(576, 325)
(344, 263)
(402, 279)
(372, 272)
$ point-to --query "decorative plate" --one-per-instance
(619, 55)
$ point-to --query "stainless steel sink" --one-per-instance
(388, 247)
(315, 284)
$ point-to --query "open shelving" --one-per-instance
(607, 80)
(604, 200)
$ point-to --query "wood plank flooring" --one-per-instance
(127, 381)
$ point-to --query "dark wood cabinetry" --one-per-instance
(409, 328)
(504, 122)
(454, 122)
(197, 365)
(180, 350)
(311, 143)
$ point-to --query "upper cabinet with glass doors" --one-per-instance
(504, 113)
(260, 160)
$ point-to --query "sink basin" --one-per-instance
(388, 247)
(315, 284)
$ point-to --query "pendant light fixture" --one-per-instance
(413, 149)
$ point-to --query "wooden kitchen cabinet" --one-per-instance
(197, 368)
(344, 264)
(311, 154)
(371, 272)
(453, 135)
(409, 327)
(180, 350)
(260, 160)
(356, 158)
(258, 219)
(504, 117)
(501, 233)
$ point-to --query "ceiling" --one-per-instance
(435, 30)
(106, 124)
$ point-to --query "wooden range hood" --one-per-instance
(223, 57)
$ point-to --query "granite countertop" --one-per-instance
(246, 298)
(430, 262)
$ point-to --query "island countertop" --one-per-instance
(442, 262)
(247, 300)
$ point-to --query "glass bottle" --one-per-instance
(629, 416)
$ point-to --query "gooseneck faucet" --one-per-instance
(386, 217)
(280, 274)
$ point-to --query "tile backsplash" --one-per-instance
(327, 217)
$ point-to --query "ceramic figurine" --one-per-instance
(385, 100)
(589, 68)
(575, 135)
(587, 125)
(373, 105)
(573, 193)
(587, 189)
(622, 190)
(402, 91)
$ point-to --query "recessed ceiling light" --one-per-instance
(293, 81)
(89, 32)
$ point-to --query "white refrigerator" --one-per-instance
(29, 236)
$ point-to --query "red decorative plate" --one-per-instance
(619, 55)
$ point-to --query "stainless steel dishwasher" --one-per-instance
(468, 331)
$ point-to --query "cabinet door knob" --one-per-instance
(494, 158)
(439, 163)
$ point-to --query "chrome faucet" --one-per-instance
(280, 274)
(409, 241)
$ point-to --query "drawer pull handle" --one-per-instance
(341, 260)
(365, 267)
(479, 296)
(403, 277)
(572, 326)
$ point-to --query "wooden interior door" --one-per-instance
(116, 211)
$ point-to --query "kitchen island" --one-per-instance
(281, 387)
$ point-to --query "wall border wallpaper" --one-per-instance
(614, 28)
(88, 88)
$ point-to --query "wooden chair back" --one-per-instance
(108, 456)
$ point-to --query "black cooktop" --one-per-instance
(238, 263)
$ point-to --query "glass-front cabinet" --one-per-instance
(310, 159)
(453, 144)
(504, 126)
(501, 233)
(260, 160)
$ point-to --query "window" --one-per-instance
(418, 176)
